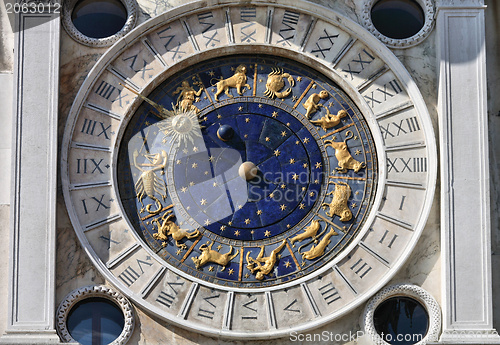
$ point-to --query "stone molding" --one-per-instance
(91, 291)
(406, 290)
(427, 6)
(73, 32)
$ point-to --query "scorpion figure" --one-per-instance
(148, 184)
(275, 83)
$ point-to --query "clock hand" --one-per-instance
(164, 113)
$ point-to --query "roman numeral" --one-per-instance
(413, 165)
(98, 201)
(290, 21)
(405, 126)
(361, 268)
(209, 314)
(129, 276)
(247, 15)
(391, 241)
(324, 48)
(105, 90)
(176, 49)
(388, 91)
(329, 293)
(363, 59)
(165, 299)
(249, 307)
(82, 166)
(203, 20)
(89, 127)
(109, 240)
(289, 307)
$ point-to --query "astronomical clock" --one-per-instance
(248, 171)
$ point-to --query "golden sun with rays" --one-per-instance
(180, 128)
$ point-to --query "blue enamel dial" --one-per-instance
(259, 171)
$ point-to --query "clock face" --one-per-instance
(298, 210)
(246, 172)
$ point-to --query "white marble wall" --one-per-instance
(493, 78)
(6, 65)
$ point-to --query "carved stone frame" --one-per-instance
(427, 6)
(91, 291)
(70, 28)
(404, 290)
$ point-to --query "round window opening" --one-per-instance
(398, 19)
(95, 321)
(401, 321)
(99, 18)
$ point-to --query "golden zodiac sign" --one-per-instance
(167, 227)
(309, 231)
(164, 113)
(275, 83)
(343, 156)
(263, 269)
(319, 249)
(238, 80)
(149, 183)
(338, 205)
(330, 120)
(311, 104)
(187, 93)
(209, 255)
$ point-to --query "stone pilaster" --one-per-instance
(465, 202)
(31, 306)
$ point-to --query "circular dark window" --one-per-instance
(398, 19)
(95, 321)
(99, 18)
(401, 321)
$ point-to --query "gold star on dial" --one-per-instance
(288, 226)
(211, 158)
(231, 271)
(283, 134)
(195, 149)
(283, 186)
(207, 222)
(268, 139)
(267, 233)
(287, 264)
(306, 140)
(237, 233)
(247, 275)
(245, 136)
(353, 205)
(277, 153)
(191, 184)
(215, 184)
(179, 251)
(259, 212)
(240, 207)
(206, 172)
(297, 142)
(203, 202)
(295, 177)
(252, 232)
(294, 99)
(211, 73)
(299, 78)
(314, 86)
(275, 114)
(292, 160)
(311, 194)
(316, 181)
(219, 247)
(358, 152)
(194, 165)
(271, 195)
(302, 206)
(222, 228)
(219, 116)
(318, 165)
(283, 207)
(184, 189)
(305, 165)
(260, 105)
(178, 161)
(211, 269)
(230, 223)
(247, 221)
(247, 120)
(240, 108)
